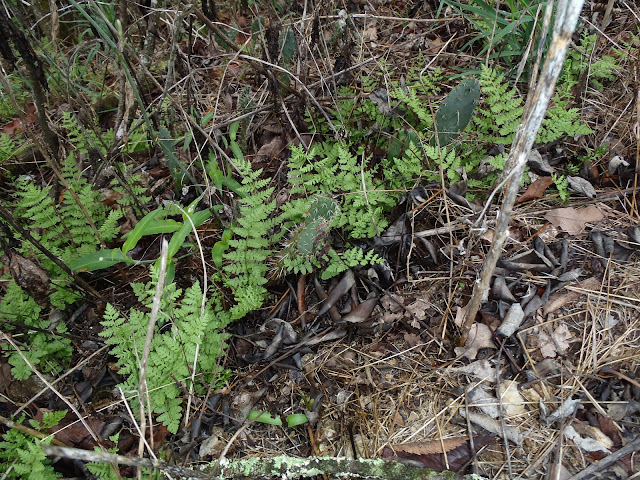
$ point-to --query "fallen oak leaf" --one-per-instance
(573, 220)
(480, 336)
(535, 190)
(431, 454)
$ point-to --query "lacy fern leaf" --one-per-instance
(184, 327)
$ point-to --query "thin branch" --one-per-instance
(281, 467)
(566, 19)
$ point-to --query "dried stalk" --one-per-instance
(567, 13)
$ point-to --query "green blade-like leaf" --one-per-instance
(198, 218)
(159, 226)
(265, 417)
(100, 259)
(140, 229)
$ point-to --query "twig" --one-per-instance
(105, 457)
(608, 460)
(567, 14)
(282, 466)
(155, 310)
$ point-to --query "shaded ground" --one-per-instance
(552, 398)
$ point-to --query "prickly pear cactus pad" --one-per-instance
(309, 240)
(456, 110)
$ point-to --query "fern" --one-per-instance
(339, 172)
(577, 63)
(181, 328)
(49, 354)
(62, 227)
(562, 184)
(251, 246)
(7, 148)
(84, 139)
(498, 117)
(561, 120)
(350, 258)
(20, 454)
(404, 172)
(134, 182)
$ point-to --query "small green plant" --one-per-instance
(71, 223)
(562, 184)
(66, 227)
(506, 28)
(293, 420)
(500, 112)
(579, 60)
(48, 352)
(154, 223)
(331, 169)
(251, 246)
(308, 242)
(187, 338)
(20, 454)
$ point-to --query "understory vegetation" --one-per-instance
(106, 153)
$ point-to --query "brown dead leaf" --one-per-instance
(535, 190)
(31, 278)
(370, 34)
(17, 125)
(431, 454)
(338, 291)
(361, 312)
(480, 336)
(272, 148)
(419, 308)
(72, 432)
(412, 340)
(560, 299)
(513, 402)
(573, 220)
(392, 303)
(558, 342)
(482, 369)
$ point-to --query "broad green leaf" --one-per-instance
(100, 259)
(296, 419)
(220, 247)
(233, 131)
(265, 417)
(289, 45)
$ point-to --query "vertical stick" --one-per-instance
(567, 13)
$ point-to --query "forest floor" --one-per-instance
(557, 395)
